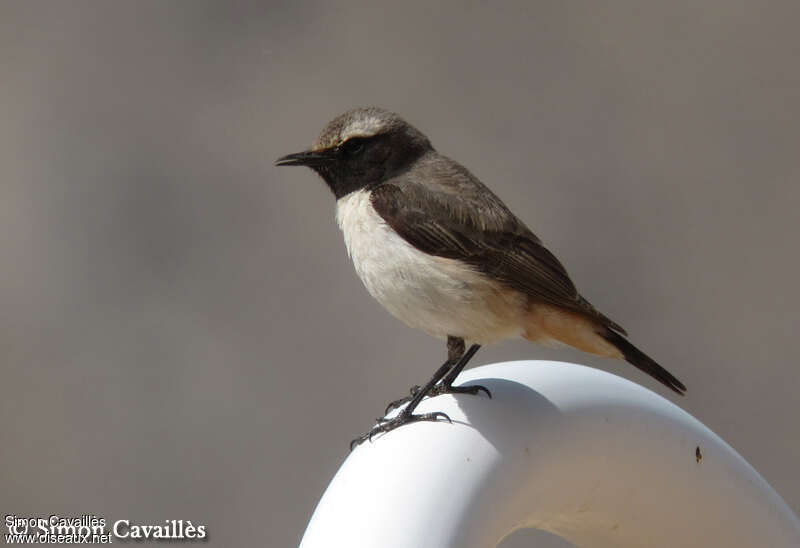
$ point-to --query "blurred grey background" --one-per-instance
(182, 335)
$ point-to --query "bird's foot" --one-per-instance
(438, 390)
(413, 391)
(474, 390)
(387, 425)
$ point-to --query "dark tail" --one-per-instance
(639, 359)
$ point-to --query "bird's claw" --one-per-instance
(402, 401)
(387, 425)
(437, 390)
(473, 389)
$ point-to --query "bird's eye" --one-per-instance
(352, 146)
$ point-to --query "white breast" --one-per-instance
(437, 295)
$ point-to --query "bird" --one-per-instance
(443, 254)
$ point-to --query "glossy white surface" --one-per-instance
(584, 454)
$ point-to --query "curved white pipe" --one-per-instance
(586, 455)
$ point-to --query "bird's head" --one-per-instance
(361, 148)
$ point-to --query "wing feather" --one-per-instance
(442, 209)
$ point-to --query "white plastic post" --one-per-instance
(586, 455)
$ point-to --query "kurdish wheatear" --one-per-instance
(443, 254)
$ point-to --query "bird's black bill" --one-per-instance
(305, 158)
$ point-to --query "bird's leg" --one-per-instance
(446, 385)
(455, 352)
(405, 416)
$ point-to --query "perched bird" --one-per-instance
(443, 254)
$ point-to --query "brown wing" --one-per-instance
(454, 215)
